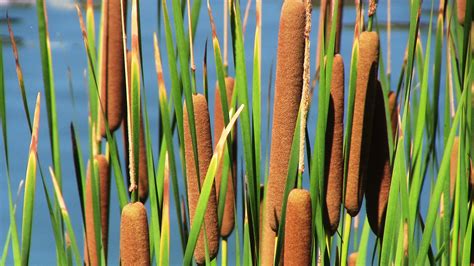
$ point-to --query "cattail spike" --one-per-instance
(334, 141)
(134, 239)
(204, 149)
(288, 89)
(367, 68)
(90, 251)
(298, 236)
(228, 218)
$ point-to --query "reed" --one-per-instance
(113, 68)
(288, 89)
(204, 149)
(298, 235)
(367, 68)
(334, 141)
(379, 173)
(228, 219)
(142, 159)
(134, 242)
(90, 246)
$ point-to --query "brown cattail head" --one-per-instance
(298, 237)
(353, 259)
(142, 159)
(90, 252)
(267, 236)
(461, 7)
(361, 134)
(113, 68)
(453, 166)
(379, 173)
(134, 241)
(204, 150)
(288, 89)
(334, 140)
(228, 219)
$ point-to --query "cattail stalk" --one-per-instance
(228, 218)
(90, 251)
(334, 142)
(453, 167)
(367, 68)
(204, 151)
(112, 95)
(379, 173)
(288, 89)
(142, 159)
(134, 239)
(298, 236)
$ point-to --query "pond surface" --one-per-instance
(69, 62)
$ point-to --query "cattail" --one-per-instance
(393, 110)
(134, 242)
(298, 237)
(453, 167)
(267, 236)
(379, 173)
(334, 140)
(353, 259)
(461, 7)
(90, 251)
(142, 159)
(113, 67)
(229, 216)
(204, 150)
(367, 68)
(288, 89)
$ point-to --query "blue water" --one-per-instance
(68, 53)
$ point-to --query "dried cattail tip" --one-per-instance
(453, 166)
(90, 251)
(113, 68)
(393, 109)
(297, 246)
(334, 140)
(379, 173)
(353, 259)
(367, 68)
(142, 159)
(134, 241)
(228, 219)
(288, 89)
(204, 150)
(461, 7)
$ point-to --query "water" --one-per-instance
(68, 53)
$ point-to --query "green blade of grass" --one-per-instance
(30, 188)
(67, 220)
(242, 96)
(79, 169)
(206, 189)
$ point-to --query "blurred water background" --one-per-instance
(70, 64)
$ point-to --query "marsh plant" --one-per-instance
(297, 199)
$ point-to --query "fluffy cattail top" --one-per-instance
(288, 89)
(228, 218)
(134, 239)
(204, 150)
(361, 134)
(113, 67)
(334, 141)
(353, 259)
(90, 252)
(298, 237)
